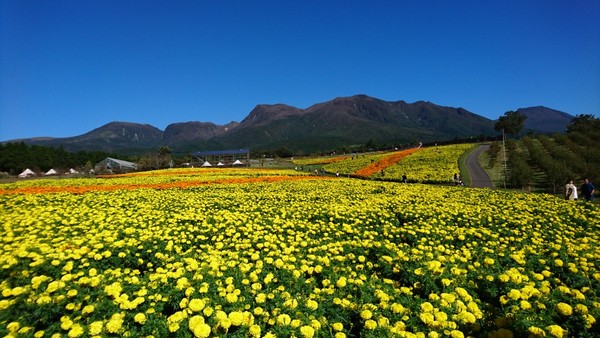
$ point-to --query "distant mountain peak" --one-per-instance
(327, 125)
(544, 119)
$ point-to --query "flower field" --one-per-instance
(430, 165)
(351, 165)
(271, 253)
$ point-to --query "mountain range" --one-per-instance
(339, 122)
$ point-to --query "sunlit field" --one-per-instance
(273, 253)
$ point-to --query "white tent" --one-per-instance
(26, 173)
(207, 164)
(238, 162)
(220, 164)
(73, 171)
(51, 172)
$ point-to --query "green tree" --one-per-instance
(164, 157)
(512, 123)
(584, 124)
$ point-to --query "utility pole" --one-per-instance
(504, 157)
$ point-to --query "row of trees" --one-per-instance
(548, 162)
(15, 157)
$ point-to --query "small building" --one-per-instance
(115, 165)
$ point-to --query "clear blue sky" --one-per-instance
(67, 67)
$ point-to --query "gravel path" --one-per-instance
(479, 177)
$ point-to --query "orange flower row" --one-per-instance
(181, 185)
(385, 162)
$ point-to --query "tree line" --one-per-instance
(15, 157)
(546, 163)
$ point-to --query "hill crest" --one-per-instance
(327, 125)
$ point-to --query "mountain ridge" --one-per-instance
(341, 121)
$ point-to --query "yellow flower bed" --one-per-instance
(304, 258)
(156, 179)
(430, 165)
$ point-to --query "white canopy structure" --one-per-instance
(220, 164)
(238, 162)
(26, 173)
(51, 172)
(73, 171)
(206, 164)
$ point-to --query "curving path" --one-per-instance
(479, 177)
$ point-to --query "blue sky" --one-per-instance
(67, 67)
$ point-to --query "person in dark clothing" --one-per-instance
(587, 190)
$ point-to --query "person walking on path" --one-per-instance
(587, 190)
(570, 191)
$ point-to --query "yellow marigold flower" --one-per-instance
(427, 307)
(236, 317)
(283, 319)
(115, 323)
(366, 314)
(231, 298)
(440, 316)
(87, 309)
(225, 323)
(488, 261)
(536, 331)
(466, 317)
(504, 278)
(208, 311)
(311, 304)
(555, 331)
(337, 326)
(254, 331)
(196, 305)
(76, 331)
(558, 262)
(139, 318)
(340, 335)
(295, 323)
(195, 321)
(95, 328)
(446, 281)
(173, 327)
(66, 323)
(456, 334)
(341, 282)
(260, 298)
(201, 330)
(370, 324)
(13, 327)
(589, 320)
(525, 305)
(427, 317)
(514, 294)
(307, 331)
(564, 309)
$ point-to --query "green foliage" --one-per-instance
(520, 173)
(512, 122)
(574, 155)
(15, 157)
(493, 152)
